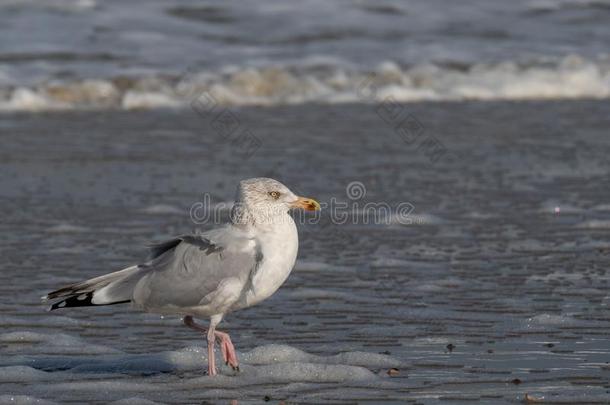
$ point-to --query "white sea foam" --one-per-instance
(568, 78)
(25, 99)
(311, 372)
(265, 363)
(133, 100)
(282, 353)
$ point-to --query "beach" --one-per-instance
(492, 286)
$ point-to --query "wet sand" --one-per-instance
(497, 288)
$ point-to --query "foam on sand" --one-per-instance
(89, 372)
(265, 363)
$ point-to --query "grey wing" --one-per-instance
(197, 271)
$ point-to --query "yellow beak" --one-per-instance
(308, 204)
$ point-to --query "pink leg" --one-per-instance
(226, 346)
(188, 321)
(228, 350)
(211, 358)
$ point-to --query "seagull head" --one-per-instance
(264, 200)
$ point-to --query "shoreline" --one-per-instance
(517, 206)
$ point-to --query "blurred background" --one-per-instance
(61, 54)
(488, 119)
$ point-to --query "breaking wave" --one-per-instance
(571, 77)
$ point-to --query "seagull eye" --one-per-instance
(274, 194)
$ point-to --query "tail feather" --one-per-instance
(109, 289)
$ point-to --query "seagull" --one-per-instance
(209, 274)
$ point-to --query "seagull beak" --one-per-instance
(308, 204)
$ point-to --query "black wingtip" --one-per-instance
(80, 300)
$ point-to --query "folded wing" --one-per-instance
(184, 272)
